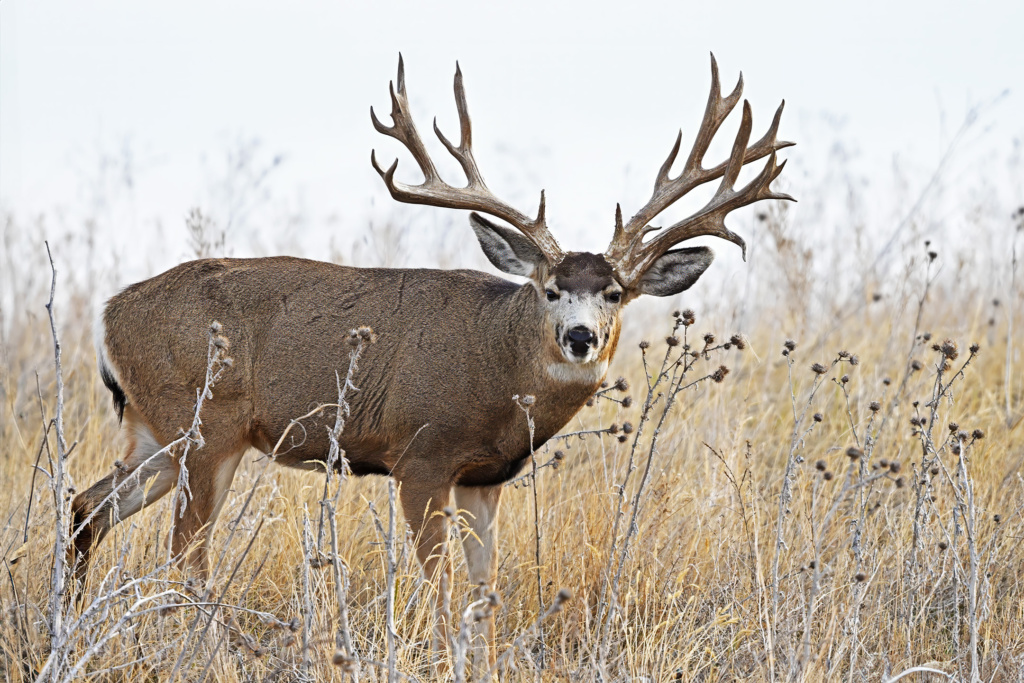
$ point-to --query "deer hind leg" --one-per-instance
(142, 479)
(423, 506)
(479, 509)
(210, 478)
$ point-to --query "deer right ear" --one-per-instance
(507, 249)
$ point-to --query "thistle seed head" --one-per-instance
(948, 349)
(818, 369)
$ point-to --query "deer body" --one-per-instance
(434, 406)
(421, 410)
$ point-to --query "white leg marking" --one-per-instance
(153, 479)
(479, 509)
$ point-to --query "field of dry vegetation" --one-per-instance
(835, 493)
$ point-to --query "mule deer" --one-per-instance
(435, 408)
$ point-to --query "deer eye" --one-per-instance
(614, 297)
(552, 295)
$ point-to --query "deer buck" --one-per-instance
(434, 408)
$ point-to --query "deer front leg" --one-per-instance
(479, 509)
(423, 506)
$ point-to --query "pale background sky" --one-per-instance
(581, 99)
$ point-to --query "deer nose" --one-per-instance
(580, 340)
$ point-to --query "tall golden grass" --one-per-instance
(860, 568)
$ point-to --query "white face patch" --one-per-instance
(581, 311)
(575, 372)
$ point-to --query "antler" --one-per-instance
(435, 191)
(631, 256)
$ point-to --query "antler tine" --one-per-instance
(464, 152)
(403, 129)
(434, 190)
(717, 110)
(628, 252)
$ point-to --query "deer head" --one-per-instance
(582, 294)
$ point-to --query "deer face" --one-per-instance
(582, 300)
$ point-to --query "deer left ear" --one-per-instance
(676, 271)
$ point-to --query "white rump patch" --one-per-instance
(99, 338)
(586, 373)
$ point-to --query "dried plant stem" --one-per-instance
(392, 636)
(524, 404)
(59, 485)
(307, 592)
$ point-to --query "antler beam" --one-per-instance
(435, 191)
(631, 256)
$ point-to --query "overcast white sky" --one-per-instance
(582, 99)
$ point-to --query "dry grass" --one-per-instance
(728, 575)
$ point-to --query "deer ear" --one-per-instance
(508, 250)
(676, 271)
